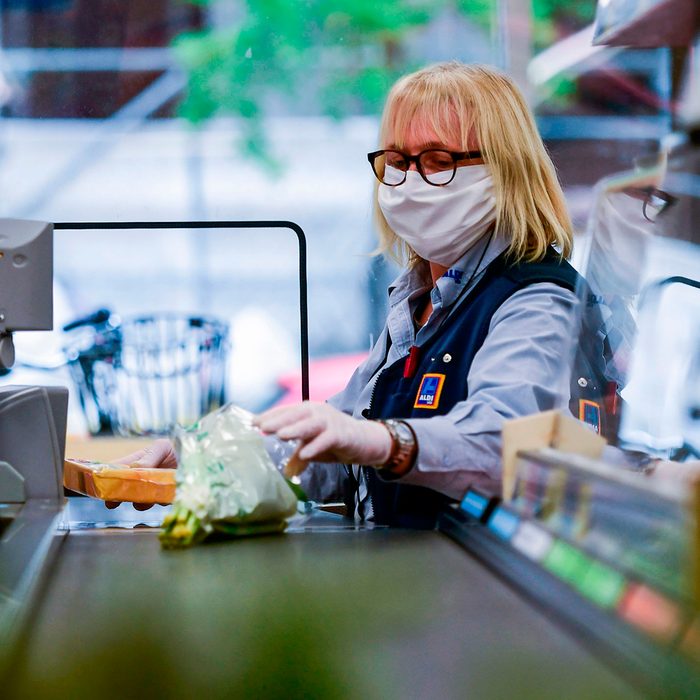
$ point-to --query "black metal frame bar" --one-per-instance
(301, 238)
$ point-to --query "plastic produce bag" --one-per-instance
(226, 482)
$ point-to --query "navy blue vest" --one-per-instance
(447, 356)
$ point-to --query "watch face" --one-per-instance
(404, 433)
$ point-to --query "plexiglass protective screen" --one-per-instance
(641, 304)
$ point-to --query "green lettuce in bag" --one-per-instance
(226, 482)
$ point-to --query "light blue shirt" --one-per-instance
(521, 368)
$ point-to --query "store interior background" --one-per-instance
(225, 109)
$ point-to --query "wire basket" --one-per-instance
(146, 375)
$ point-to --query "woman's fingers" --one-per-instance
(294, 466)
(324, 433)
(305, 429)
(159, 454)
(320, 449)
(130, 458)
(274, 419)
(304, 422)
(139, 506)
(321, 443)
(142, 506)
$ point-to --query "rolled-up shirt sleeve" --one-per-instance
(520, 369)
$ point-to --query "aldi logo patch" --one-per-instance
(428, 395)
(589, 412)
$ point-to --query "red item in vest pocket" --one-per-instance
(411, 364)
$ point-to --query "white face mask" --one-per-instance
(441, 223)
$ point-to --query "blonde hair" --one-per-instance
(458, 101)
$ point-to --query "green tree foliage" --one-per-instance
(336, 57)
(549, 17)
(553, 17)
(339, 56)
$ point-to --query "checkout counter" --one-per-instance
(328, 609)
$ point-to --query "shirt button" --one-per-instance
(447, 357)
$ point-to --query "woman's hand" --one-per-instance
(160, 454)
(326, 435)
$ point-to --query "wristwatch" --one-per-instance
(404, 446)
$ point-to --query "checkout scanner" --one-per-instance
(32, 422)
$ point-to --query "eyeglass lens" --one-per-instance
(438, 167)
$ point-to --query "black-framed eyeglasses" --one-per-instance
(654, 201)
(435, 165)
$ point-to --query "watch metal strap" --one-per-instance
(404, 446)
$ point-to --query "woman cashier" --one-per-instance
(480, 320)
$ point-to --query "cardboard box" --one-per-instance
(548, 429)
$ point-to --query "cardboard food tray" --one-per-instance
(117, 482)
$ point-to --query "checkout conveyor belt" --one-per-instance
(326, 610)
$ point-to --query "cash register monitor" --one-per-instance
(26, 281)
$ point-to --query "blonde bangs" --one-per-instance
(426, 105)
(461, 102)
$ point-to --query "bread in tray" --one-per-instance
(119, 482)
